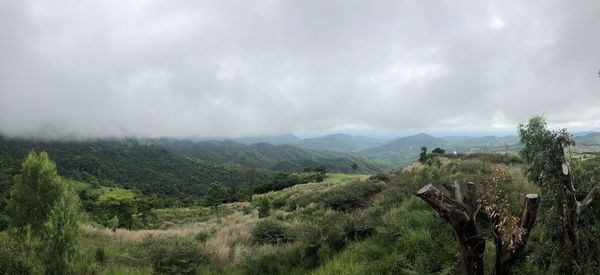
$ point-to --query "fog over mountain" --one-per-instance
(251, 68)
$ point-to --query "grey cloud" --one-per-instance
(233, 68)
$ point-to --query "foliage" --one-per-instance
(423, 155)
(216, 195)
(280, 158)
(202, 237)
(438, 151)
(270, 231)
(60, 236)
(380, 177)
(344, 197)
(175, 255)
(264, 207)
(37, 189)
(11, 260)
(130, 164)
(494, 203)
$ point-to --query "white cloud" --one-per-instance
(230, 68)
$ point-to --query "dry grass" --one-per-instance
(230, 238)
(232, 241)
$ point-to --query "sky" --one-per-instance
(246, 68)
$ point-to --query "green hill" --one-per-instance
(285, 157)
(149, 168)
(404, 150)
(338, 142)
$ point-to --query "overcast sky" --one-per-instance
(244, 68)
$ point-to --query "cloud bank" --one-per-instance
(240, 68)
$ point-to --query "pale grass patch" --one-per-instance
(132, 237)
(233, 239)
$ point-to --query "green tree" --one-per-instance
(250, 178)
(438, 151)
(264, 208)
(549, 166)
(215, 196)
(320, 173)
(60, 236)
(120, 203)
(354, 166)
(35, 192)
(423, 155)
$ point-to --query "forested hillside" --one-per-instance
(152, 169)
(287, 158)
(338, 142)
(171, 167)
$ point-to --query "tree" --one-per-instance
(215, 196)
(423, 155)
(119, 203)
(60, 235)
(321, 173)
(354, 166)
(549, 166)
(264, 208)
(35, 192)
(438, 151)
(250, 178)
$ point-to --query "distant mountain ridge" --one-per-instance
(264, 155)
(338, 142)
(275, 140)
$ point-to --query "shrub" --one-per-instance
(11, 262)
(202, 236)
(270, 231)
(247, 210)
(351, 196)
(264, 208)
(380, 177)
(100, 255)
(175, 255)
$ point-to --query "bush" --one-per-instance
(11, 262)
(264, 208)
(380, 177)
(270, 231)
(100, 255)
(175, 255)
(351, 196)
(202, 236)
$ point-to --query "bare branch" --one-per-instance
(458, 197)
(588, 200)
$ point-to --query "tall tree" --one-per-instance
(215, 196)
(60, 235)
(250, 178)
(35, 192)
(423, 155)
(354, 166)
(547, 155)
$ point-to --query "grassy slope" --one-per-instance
(393, 233)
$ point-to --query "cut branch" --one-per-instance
(507, 256)
(588, 200)
(472, 245)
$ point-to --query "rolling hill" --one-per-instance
(338, 142)
(285, 157)
(404, 150)
(149, 168)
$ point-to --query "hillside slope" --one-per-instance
(152, 169)
(285, 157)
(338, 142)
